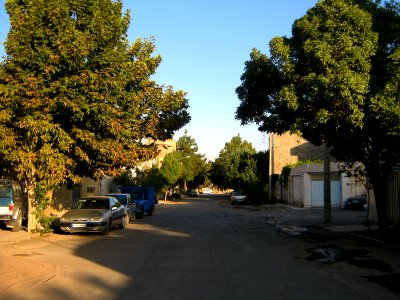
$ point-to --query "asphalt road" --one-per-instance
(197, 248)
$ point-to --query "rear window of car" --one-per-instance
(237, 194)
(4, 191)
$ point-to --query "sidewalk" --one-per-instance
(8, 237)
(295, 221)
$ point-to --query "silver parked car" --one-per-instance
(94, 214)
(127, 202)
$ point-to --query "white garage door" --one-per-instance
(317, 193)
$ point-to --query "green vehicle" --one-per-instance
(13, 204)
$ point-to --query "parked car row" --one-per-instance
(102, 213)
(127, 202)
(94, 214)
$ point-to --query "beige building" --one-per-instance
(305, 185)
(289, 149)
(164, 148)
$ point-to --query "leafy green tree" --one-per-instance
(202, 177)
(76, 99)
(194, 164)
(336, 80)
(154, 177)
(185, 166)
(125, 178)
(236, 168)
(262, 159)
(171, 170)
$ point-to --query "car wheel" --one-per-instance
(132, 217)
(139, 215)
(107, 229)
(17, 222)
(125, 221)
(150, 211)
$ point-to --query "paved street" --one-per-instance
(197, 248)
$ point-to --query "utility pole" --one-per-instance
(327, 185)
(271, 162)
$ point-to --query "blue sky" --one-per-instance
(204, 45)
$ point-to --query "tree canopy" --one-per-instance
(194, 164)
(335, 80)
(240, 167)
(76, 98)
(185, 166)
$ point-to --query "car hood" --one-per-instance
(84, 213)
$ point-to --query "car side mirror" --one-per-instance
(114, 208)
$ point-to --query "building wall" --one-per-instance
(300, 184)
(289, 149)
(61, 201)
(164, 148)
(393, 197)
(296, 190)
(307, 189)
(351, 188)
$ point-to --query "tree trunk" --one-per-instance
(327, 186)
(379, 187)
(32, 221)
(166, 195)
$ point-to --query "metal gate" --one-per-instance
(317, 193)
(393, 197)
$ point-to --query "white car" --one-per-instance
(207, 191)
(238, 197)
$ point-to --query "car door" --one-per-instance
(115, 213)
(131, 205)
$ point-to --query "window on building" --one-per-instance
(90, 190)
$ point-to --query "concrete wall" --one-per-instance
(300, 184)
(296, 190)
(307, 189)
(62, 200)
(289, 149)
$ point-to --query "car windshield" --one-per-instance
(92, 204)
(122, 199)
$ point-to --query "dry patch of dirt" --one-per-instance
(21, 272)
